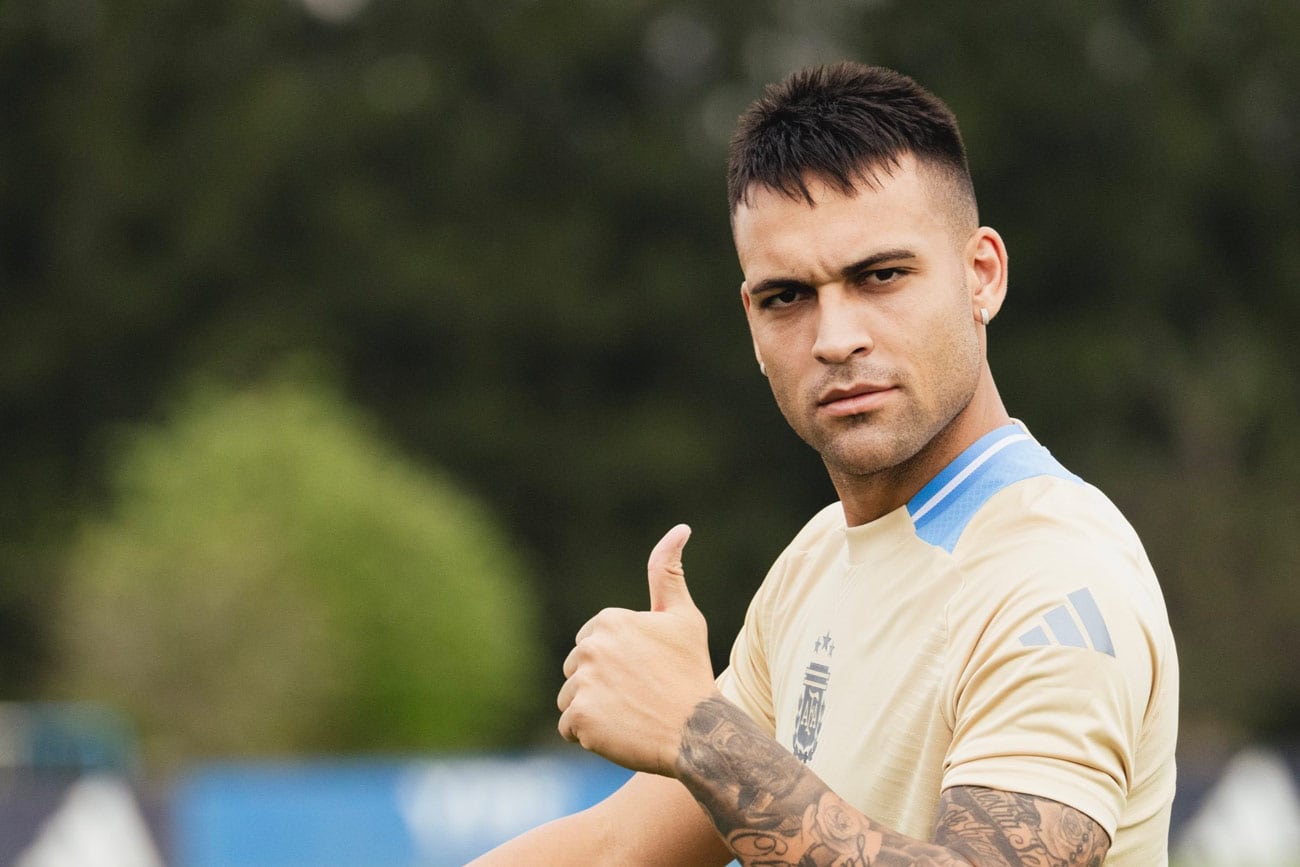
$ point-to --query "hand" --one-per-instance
(634, 677)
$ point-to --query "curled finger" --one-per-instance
(572, 661)
(564, 697)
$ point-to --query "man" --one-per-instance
(966, 660)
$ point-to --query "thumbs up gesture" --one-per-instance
(633, 678)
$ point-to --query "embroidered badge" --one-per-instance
(812, 704)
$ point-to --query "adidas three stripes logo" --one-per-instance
(1061, 626)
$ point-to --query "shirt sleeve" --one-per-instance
(1052, 669)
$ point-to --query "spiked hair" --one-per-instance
(843, 124)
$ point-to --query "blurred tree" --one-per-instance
(272, 578)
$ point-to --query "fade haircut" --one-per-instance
(844, 124)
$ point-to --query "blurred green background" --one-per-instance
(354, 352)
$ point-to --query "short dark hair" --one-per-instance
(840, 124)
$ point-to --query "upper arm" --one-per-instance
(993, 828)
(651, 821)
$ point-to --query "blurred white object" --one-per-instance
(1251, 818)
(498, 798)
(98, 825)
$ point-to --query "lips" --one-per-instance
(854, 399)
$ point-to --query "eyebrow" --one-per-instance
(780, 284)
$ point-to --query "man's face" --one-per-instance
(861, 310)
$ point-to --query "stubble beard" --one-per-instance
(892, 441)
(870, 444)
(859, 445)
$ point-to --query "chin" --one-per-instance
(867, 458)
(870, 454)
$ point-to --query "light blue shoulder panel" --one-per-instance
(942, 509)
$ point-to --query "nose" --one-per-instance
(841, 330)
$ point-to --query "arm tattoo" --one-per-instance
(996, 827)
(774, 812)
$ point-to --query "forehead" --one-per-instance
(779, 234)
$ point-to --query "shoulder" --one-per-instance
(1057, 587)
(1046, 538)
(826, 524)
(821, 536)
(1019, 525)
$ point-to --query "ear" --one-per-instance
(746, 302)
(986, 266)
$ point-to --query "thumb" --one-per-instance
(667, 577)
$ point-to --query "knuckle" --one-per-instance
(605, 619)
(580, 656)
(609, 617)
(578, 720)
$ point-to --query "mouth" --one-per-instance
(855, 399)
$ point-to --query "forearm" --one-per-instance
(772, 810)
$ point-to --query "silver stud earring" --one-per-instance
(762, 368)
(984, 316)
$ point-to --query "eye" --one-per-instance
(881, 276)
(880, 279)
(784, 298)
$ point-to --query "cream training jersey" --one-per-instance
(1003, 629)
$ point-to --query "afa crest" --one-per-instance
(812, 704)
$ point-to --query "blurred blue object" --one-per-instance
(74, 737)
(418, 813)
